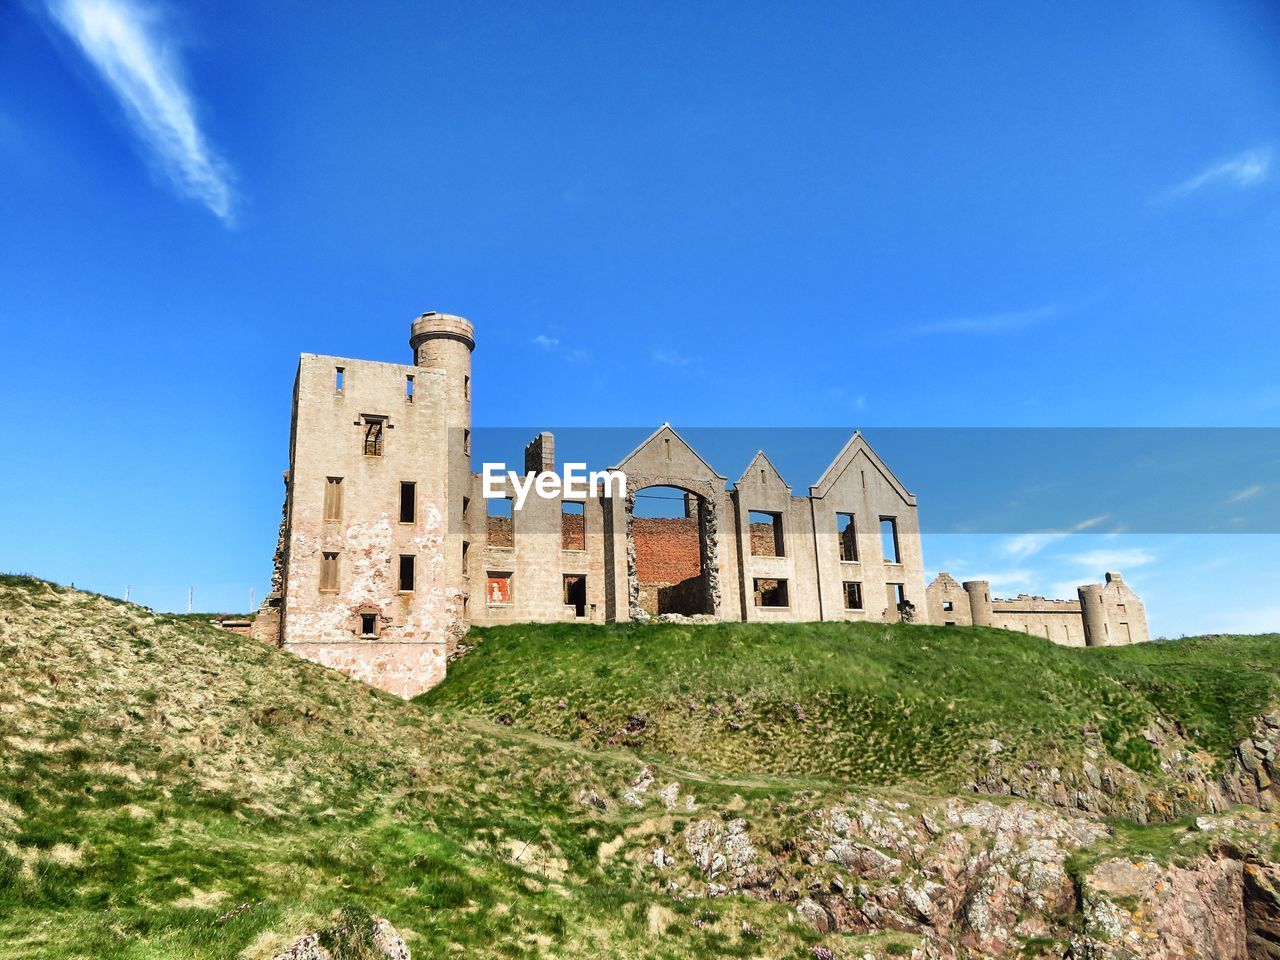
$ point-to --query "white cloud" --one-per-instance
(669, 358)
(1248, 493)
(1103, 560)
(1247, 169)
(1026, 544)
(986, 323)
(545, 342)
(123, 41)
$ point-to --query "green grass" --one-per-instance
(172, 789)
(865, 703)
(168, 788)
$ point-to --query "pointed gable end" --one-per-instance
(666, 454)
(856, 448)
(761, 472)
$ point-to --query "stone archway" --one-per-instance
(695, 594)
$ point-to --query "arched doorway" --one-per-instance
(671, 552)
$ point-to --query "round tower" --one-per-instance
(979, 592)
(443, 342)
(1093, 612)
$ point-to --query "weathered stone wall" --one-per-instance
(369, 538)
(1118, 616)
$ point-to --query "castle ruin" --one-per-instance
(389, 552)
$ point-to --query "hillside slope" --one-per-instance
(872, 704)
(169, 789)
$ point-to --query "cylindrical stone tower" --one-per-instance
(441, 341)
(1093, 612)
(979, 592)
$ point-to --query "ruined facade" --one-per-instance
(1104, 614)
(388, 550)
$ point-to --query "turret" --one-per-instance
(443, 342)
(1093, 612)
(979, 592)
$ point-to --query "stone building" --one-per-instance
(1104, 615)
(389, 551)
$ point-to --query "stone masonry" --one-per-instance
(388, 551)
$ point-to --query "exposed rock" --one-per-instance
(382, 938)
(723, 850)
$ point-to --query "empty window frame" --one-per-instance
(368, 624)
(846, 530)
(852, 595)
(575, 593)
(408, 501)
(333, 498)
(501, 522)
(328, 572)
(406, 573)
(374, 432)
(497, 588)
(770, 592)
(948, 605)
(889, 540)
(339, 379)
(573, 525)
(897, 595)
(408, 388)
(766, 534)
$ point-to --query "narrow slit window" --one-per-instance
(328, 572)
(368, 624)
(373, 436)
(408, 501)
(408, 389)
(766, 534)
(466, 442)
(466, 388)
(501, 522)
(846, 531)
(889, 540)
(339, 379)
(406, 573)
(852, 595)
(573, 525)
(333, 498)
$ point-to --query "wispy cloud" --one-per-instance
(552, 345)
(126, 44)
(986, 323)
(1248, 493)
(669, 358)
(1113, 559)
(1247, 169)
(1027, 544)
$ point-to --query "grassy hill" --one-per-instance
(170, 789)
(864, 703)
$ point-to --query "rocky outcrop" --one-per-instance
(374, 938)
(1183, 781)
(994, 878)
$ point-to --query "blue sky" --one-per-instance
(846, 214)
